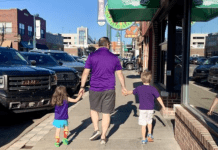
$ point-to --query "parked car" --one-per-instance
(24, 88)
(129, 64)
(65, 58)
(194, 59)
(67, 77)
(202, 71)
(213, 75)
(79, 59)
(84, 58)
(200, 60)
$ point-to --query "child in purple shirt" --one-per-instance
(60, 100)
(147, 94)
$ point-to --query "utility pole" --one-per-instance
(34, 36)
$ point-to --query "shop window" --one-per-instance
(203, 74)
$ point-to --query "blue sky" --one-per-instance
(67, 15)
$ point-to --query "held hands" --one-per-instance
(209, 113)
(124, 92)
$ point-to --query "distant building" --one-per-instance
(211, 45)
(54, 41)
(17, 28)
(197, 44)
(74, 42)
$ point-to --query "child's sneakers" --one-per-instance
(57, 144)
(65, 141)
(150, 138)
(144, 141)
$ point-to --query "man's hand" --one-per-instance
(209, 113)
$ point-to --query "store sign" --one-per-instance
(101, 17)
(116, 25)
(132, 32)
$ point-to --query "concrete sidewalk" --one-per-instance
(124, 131)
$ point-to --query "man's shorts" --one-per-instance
(145, 117)
(102, 101)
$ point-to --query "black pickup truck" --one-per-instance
(67, 77)
(23, 88)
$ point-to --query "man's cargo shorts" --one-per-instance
(103, 101)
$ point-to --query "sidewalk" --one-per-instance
(124, 131)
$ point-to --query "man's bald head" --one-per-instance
(104, 42)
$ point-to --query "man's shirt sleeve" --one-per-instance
(118, 65)
(88, 64)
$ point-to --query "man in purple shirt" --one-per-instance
(103, 65)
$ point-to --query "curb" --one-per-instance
(26, 131)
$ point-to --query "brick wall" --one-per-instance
(73, 51)
(199, 51)
(169, 101)
(191, 134)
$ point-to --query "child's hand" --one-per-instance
(209, 113)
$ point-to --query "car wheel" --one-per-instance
(129, 67)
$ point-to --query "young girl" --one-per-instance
(60, 100)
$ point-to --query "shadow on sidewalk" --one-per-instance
(133, 76)
(75, 132)
(122, 114)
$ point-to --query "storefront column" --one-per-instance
(171, 48)
(186, 30)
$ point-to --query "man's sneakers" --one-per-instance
(95, 135)
(150, 138)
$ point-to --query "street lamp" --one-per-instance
(34, 36)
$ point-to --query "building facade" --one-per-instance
(54, 41)
(17, 28)
(211, 45)
(197, 44)
(75, 41)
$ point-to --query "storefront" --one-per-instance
(170, 75)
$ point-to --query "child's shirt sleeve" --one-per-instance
(156, 93)
(135, 91)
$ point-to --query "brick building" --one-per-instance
(193, 128)
(17, 29)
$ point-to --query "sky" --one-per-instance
(64, 16)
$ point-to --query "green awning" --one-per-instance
(204, 10)
(132, 10)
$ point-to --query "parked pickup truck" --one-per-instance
(67, 77)
(23, 88)
(65, 58)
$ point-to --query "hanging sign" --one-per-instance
(116, 25)
(101, 17)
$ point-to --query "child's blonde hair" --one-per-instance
(59, 95)
(146, 77)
